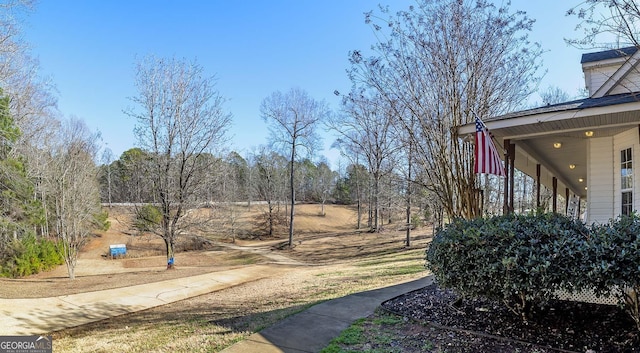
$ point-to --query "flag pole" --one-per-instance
(495, 141)
(488, 160)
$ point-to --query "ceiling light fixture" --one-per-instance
(588, 133)
(557, 144)
(580, 180)
(572, 166)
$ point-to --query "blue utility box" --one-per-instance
(116, 250)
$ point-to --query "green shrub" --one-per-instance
(147, 218)
(50, 254)
(524, 260)
(615, 263)
(427, 214)
(101, 220)
(518, 259)
(29, 255)
(415, 221)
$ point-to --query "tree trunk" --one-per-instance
(370, 211)
(359, 214)
(69, 259)
(270, 220)
(358, 197)
(109, 182)
(408, 240)
(376, 204)
(169, 243)
(71, 270)
(293, 196)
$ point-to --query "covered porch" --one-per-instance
(573, 149)
(583, 149)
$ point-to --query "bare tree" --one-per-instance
(32, 101)
(439, 62)
(324, 184)
(293, 118)
(408, 172)
(73, 190)
(251, 176)
(180, 119)
(13, 50)
(270, 184)
(10, 25)
(32, 104)
(107, 158)
(606, 23)
(553, 95)
(367, 126)
(233, 172)
(353, 179)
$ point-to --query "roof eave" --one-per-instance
(511, 121)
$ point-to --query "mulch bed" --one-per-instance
(559, 326)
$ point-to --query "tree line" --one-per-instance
(261, 177)
(396, 127)
(432, 68)
(48, 179)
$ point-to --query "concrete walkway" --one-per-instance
(308, 331)
(43, 315)
(311, 330)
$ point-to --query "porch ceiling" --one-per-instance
(535, 134)
(606, 124)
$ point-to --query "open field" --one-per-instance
(330, 261)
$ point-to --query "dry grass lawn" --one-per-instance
(337, 261)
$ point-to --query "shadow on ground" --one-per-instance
(40, 319)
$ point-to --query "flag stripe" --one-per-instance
(487, 158)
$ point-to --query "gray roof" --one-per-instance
(575, 105)
(608, 54)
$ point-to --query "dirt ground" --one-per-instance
(481, 325)
(329, 259)
(319, 240)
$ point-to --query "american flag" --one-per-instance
(487, 157)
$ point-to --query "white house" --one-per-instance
(585, 148)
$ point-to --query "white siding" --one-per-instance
(597, 76)
(631, 83)
(627, 139)
(600, 180)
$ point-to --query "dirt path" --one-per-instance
(265, 250)
(96, 273)
(146, 262)
(43, 315)
(23, 316)
(212, 321)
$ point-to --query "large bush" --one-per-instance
(527, 259)
(518, 259)
(615, 262)
(29, 255)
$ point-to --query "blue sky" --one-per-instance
(89, 48)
